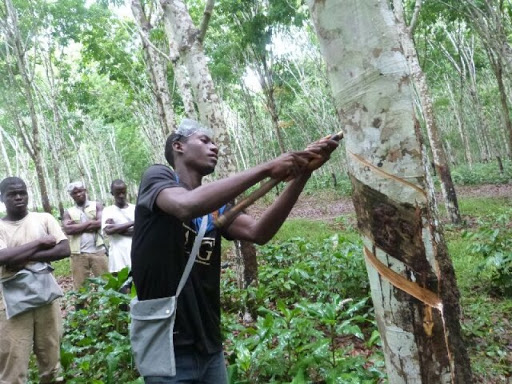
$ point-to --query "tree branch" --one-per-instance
(415, 16)
(208, 10)
(144, 27)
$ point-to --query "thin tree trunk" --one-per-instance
(267, 84)
(438, 154)
(457, 108)
(157, 68)
(482, 130)
(183, 34)
(54, 143)
(7, 161)
(251, 122)
(505, 109)
(411, 276)
(34, 144)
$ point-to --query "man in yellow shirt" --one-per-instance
(27, 238)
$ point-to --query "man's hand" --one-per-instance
(289, 165)
(47, 242)
(109, 221)
(321, 151)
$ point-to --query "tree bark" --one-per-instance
(436, 146)
(7, 161)
(157, 68)
(34, 146)
(497, 67)
(411, 276)
(457, 106)
(267, 84)
(208, 102)
(181, 75)
(55, 144)
(183, 34)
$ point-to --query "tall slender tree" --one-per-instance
(15, 47)
(188, 39)
(420, 81)
(156, 64)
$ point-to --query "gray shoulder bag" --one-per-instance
(30, 288)
(152, 324)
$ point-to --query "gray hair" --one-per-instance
(188, 127)
(75, 184)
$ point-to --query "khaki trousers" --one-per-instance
(84, 265)
(38, 330)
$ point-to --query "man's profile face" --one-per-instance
(201, 151)
(79, 195)
(119, 193)
(16, 200)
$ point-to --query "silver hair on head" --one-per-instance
(188, 127)
(76, 184)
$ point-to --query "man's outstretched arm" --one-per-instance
(188, 204)
(245, 227)
(260, 231)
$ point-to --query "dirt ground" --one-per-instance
(315, 207)
(327, 208)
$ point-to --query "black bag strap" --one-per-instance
(193, 254)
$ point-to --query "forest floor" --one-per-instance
(330, 207)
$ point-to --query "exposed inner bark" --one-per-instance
(396, 228)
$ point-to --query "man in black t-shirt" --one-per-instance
(167, 218)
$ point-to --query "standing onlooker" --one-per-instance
(27, 240)
(82, 223)
(117, 223)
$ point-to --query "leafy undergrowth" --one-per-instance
(482, 173)
(313, 321)
(310, 318)
(482, 256)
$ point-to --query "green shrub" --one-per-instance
(311, 308)
(482, 173)
(313, 321)
(493, 242)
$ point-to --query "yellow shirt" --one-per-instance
(32, 227)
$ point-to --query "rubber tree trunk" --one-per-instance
(438, 153)
(156, 66)
(411, 276)
(5, 156)
(32, 143)
(208, 103)
(185, 36)
(457, 106)
(267, 84)
(55, 143)
(180, 73)
(497, 67)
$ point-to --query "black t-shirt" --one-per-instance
(161, 245)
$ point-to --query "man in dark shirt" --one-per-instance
(167, 218)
